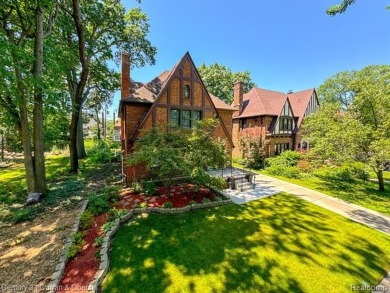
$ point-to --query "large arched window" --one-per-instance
(187, 91)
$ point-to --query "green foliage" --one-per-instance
(86, 220)
(252, 148)
(179, 152)
(284, 164)
(114, 214)
(149, 188)
(285, 171)
(167, 205)
(219, 80)
(98, 204)
(204, 151)
(285, 159)
(99, 241)
(138, 188)
(354, 124)
(162, 153)
(347, 172)
(339, 8)
(202, 178)
(77, 244)
(107, 226)
(143, 205)
(101, 151)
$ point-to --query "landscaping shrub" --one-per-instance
(138, 188)
(86, 220)
(114, 214)
(168, 205)
(149, 188)
(99, 241)
(102, 151)
(98, 204)
(77, 244)
(346, 172)
(288, 172)
(359, 171)
(252, 147)
(287, 158)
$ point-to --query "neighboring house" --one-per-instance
(278, 117)
(89, 128)
(117, 130)
(174, 98)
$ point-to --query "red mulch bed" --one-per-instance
(180, 196)
(81, 269)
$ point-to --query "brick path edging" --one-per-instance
(94, 286)
(60, 267)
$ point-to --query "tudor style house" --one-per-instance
(174, 98)
(276, 116)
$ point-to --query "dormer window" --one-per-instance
(187, 91)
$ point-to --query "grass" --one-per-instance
(64, 188)
(277, 244)
(386, 175)
(364, 193)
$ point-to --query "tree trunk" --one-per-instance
(2, 146)
(381, 181)
(39, 148)
(26, 143)
(78, 98)
(24, 130)
(97, 124)
(81, 154)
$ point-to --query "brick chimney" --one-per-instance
(125, 75)
(238, 97)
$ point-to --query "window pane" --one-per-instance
(186, 119)
(196, 116)
(175, 117)
(187, 91)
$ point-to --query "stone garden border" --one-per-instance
(94, 286)
(60, 267)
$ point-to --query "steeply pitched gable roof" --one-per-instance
(148, 92)
(299, 102)
(262, 102)
(152, 92)
(219, 104)
(259, 101)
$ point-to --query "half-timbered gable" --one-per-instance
(278, 115)
(176, 98)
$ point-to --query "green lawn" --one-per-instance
(277, 244)
(364, 193)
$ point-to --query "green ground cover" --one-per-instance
(64, 188)
(277, 244)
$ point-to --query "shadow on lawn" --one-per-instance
(233, 248)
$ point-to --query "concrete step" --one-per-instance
(242, 186)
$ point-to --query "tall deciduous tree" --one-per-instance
(219, 80)
(356, 128)
(23, 27)
(102, 26)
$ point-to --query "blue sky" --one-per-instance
(284, 44)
